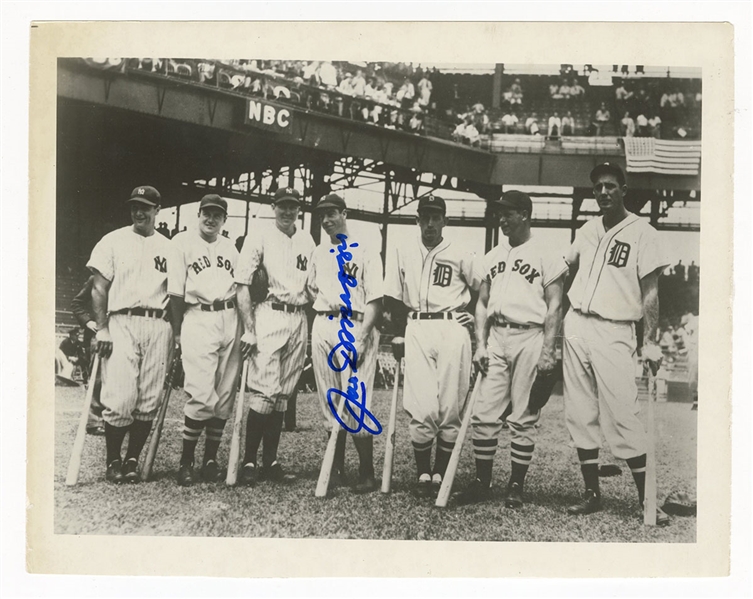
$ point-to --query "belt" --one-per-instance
(597, 317)
(149, 312)
(432, 316)
(504, 324)
(356, 316)
(285, 307)
(218, 305)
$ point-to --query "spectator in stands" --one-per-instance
(406, 93)
(680, 270)
(480, 118)
(693, 273)
(576, 89)
(568, 124)
(416, 122)
(69, 355)
(346, 85)
(359, 84)
(627, 125)
(509, 122)
(471, 133)
(328, 74)
(555, 91)
(458, 134)
(310, 73)
(424, 92)
(654, 124)
(516, 92)
(206, 71)
(641, 126)
(621, 96)
(532, 124)
(555, 126)
(602, 119)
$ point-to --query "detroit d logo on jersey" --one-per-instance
(442, 275)
(618, 254)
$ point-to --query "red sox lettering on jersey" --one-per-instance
(203, 272)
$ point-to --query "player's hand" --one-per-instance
(398, 347)
(464, 318)
(653, 356)
(248, 345)
(92, 326)
(546, 362)
(177, 348)
(481, 359)
(104, 343)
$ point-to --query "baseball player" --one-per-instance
(615, 263)
(129, 297)
(276, 329)
(207, 330)
(345, 283)
(81, 306)
(518, 316)
(433, 278)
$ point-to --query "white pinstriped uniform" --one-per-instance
(203, 273)
(325, 289)
(277, 363)
(517, 278)
(437, 352)
(133, 375)
(599, 344)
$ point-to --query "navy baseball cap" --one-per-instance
(331, 201)
(146, 194)
(432, 202)
(517, 200)
(608, 168)
(287, 194)
(212, 199)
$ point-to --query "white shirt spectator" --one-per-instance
(510, 121)
(532, 126)
(346, 85)
(406, 91)
(359, 84)
(328, 74)
(555, 126)
(471, 134)
(628, 126)
(424, 92)
(568, 125)
(641, 120)
(576, 89)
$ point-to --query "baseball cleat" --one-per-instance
(337, 478)
(114, 474)
(96, 429)
(423, 486)
(662, 519)
(591, 503)
(276, 474)
(477, 492)
(514, 497)
(367, 485)
(212, 473)
(131, 471)
(248, 475)
(186, 475)
(436, 483)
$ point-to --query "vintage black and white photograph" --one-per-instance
(324, 296)
(510, 354)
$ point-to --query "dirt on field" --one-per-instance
(161, 507)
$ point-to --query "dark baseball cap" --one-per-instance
(432, 202)
(517, 200)
(331, 200)
(608, 168)
(287, 194)
(146, 194)
(212, 199)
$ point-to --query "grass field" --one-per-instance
(160, 507)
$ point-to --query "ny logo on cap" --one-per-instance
(140, 191)
(288, 190)
(432, 198)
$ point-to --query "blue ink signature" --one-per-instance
(347, 350)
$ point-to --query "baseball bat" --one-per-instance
(151, 452)
(235, 441)
(389, 447)
(649, 498)
(452, 466)
(329, 455)
(74, 465)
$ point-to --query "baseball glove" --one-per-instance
(259, 288)
(542, 388)
(680, 504)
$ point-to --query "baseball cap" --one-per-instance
(608, 168)
(212, 199)
(146, 194)
(517, 200)
(331, 200)
(432, 202)
(287, 193)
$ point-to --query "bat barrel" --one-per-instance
(389, 448)
(235, 442)
(74, 465)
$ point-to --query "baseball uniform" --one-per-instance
(202, 273)
(434, 285)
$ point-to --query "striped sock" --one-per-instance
(422, 451)
(442, 456)
(191, 433)
(520, 456)
(589, 467)
(215, 426)
(638, 468)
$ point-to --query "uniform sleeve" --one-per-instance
(393, 280)
(102, 259)
(177, 268)
(373, 279)
(81, 305)
(651, 253)
(553, 266)
(250, 258)
(573, 254)
(473, 271)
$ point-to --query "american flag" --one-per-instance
(650, 155)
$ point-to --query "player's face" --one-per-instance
(286, 213)
(143, 217)
(609, 194)
(511, 221)
(211, 220)
(333, 221)
(431, 223)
